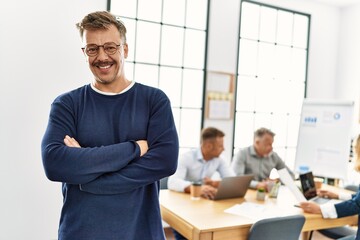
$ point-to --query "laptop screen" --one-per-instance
(308, 185)
(233, 187)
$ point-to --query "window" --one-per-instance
(271, 75)
(167, 43)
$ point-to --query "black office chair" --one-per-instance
(340, 232)
(279, 228)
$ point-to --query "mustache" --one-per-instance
(102, 64)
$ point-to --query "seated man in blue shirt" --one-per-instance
(199, 165)
(259, 159)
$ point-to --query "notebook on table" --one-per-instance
(233, 187)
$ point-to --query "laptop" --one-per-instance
(286, 179)
(233, 187)
(309, 189)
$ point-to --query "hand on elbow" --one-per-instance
(71, 142)
(143, 146)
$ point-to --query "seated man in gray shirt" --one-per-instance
(258, 159)
(199, 165)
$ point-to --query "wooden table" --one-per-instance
(206, 220)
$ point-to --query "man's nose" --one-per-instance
(102, 54)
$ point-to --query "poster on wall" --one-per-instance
(219, 103)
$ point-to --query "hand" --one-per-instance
(71, 142)
(262, 185)
(208, 191)
(327, 194)
(209, 181)
(143, 146)
(310, 207)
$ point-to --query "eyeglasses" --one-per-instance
(92, 50)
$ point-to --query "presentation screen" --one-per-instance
(324, 138)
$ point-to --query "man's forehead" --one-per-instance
(266, 137)
(111, 31)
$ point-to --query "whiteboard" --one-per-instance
(324, 138)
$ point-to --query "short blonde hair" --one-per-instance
(101, 20)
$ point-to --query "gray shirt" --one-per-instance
(192, 167)
(246, 161)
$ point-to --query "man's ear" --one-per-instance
(207, 145)
(126, 50)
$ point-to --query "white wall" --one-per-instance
(348, 75)
(40, 58)
(222, 54)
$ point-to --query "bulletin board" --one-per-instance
(219, 99)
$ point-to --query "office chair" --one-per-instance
(340, 232)
(279, 228)
(163, 183)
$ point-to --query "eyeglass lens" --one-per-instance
(92, 49)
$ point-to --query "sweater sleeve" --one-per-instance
(79, 165)
(160, 160)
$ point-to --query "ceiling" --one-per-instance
(339, 3)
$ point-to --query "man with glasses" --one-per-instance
(109, 143)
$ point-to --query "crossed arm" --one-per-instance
(115, 168)
(71, 142)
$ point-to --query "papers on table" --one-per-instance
(286, 179)
(255, 211)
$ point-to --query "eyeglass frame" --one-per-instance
(98, 48)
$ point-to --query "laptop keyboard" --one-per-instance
(319, 200)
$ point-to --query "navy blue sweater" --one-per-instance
(109, 191)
